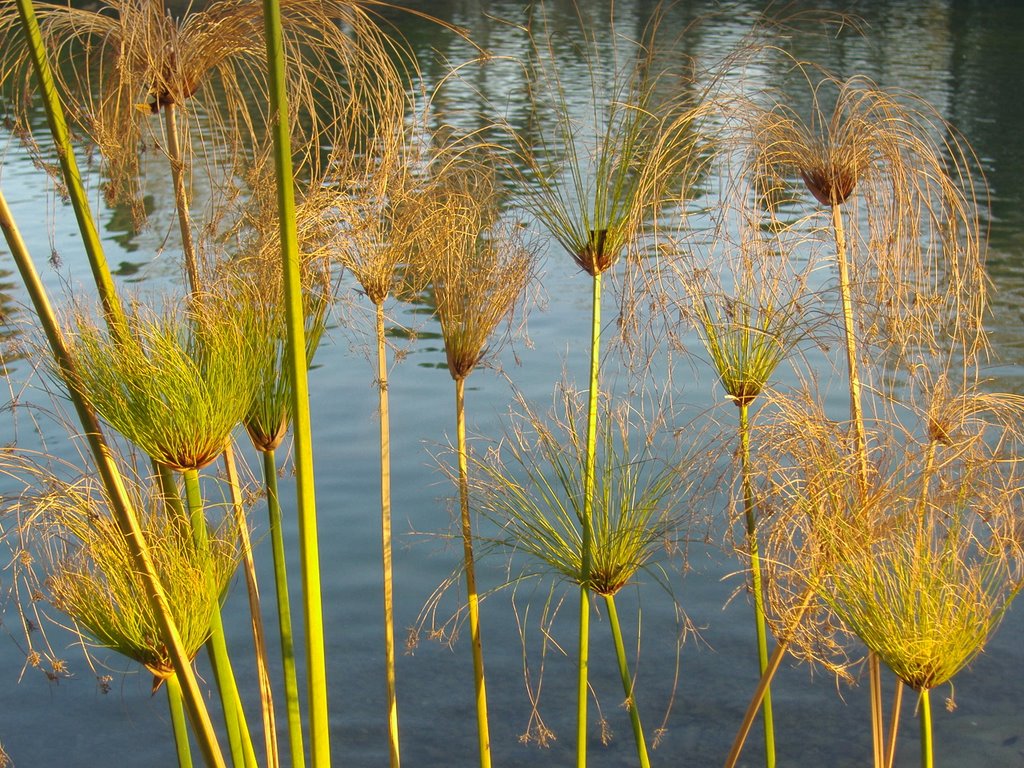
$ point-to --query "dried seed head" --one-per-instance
(600, 252)
(830, 185)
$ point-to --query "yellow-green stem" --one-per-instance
(762, 687)
(925, 707)
(627, 682)
(284, 612)
(295, 365)
(255, 610)
(877, 710)
(583, 684)
(112, 309)
(177, 163)
(860, 443)
(121, 506)
(894, 724)
(169, 490)
(385, 530)
(178, 724)
(750, 513)
(473, 599)
(239, 740)
(849, 327)
(924, 536)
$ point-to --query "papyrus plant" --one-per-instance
(618, 144)
(121, 506)
(119, 65)
(84, 569)
(176, 388)
(477, 270)
(895, 184)
(377, 214)
(929, 590)
(266, 422)
(533, 486)
(747, 299)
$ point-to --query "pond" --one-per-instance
(962, 56)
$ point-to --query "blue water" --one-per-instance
(962, 56)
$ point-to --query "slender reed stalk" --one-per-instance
(477, 271)
(750, 517)
(469, 564)
(385, 530)
(534, 487)
(176, 160)
(894, 725)
(239, 738)
(925, 714)
(850, 337)
(284, 611)
(627, 682)
(586, 523)
(295, 358)
(255, 612)
(178, 724)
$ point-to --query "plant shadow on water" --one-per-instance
(944, 56)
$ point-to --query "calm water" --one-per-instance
(964, 57)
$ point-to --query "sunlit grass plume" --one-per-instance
(532, 486)
(180, 385)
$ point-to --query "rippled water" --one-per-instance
(962, 56)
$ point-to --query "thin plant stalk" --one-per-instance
(774, 661)
(121, 506)
(856, 407)
(925, 713)
(627, 682)
(857, 416)
(877, 711)
(178, 723)
(586, 525)
(476, 283)
(894, 724)
(473, 597)
(255, 613)
(750, 514)
(177, 163)
(239, 740)
(284, 611)
(385, 530)
(169, 489)
(295, 356)
(112, 308)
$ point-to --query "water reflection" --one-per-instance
(12, 346)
